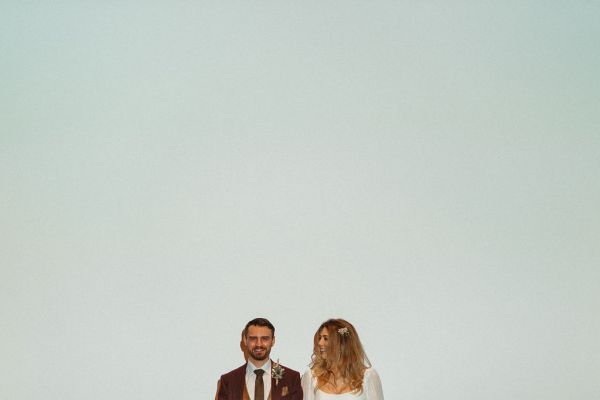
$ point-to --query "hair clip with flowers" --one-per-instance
(344, 332)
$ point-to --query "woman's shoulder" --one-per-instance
(371, 373)
(308, 383)
(372, 384)
(307, 375)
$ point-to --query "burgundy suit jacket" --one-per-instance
(232, 384)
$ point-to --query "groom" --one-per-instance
(260, 378)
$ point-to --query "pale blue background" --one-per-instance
(428, 170)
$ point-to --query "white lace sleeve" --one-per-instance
(308, 385)
(372, 385)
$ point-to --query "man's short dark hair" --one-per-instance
(259, 322)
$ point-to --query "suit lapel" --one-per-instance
(275, 390)
(245, 396)
(239, 389)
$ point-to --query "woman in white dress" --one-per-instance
(340, 369)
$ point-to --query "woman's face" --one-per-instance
(323, 339)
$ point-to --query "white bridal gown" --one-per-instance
(371, 388)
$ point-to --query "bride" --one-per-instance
(339, 368)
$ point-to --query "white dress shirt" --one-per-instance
(251, 378)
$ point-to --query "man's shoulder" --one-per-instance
(241, 370)
(289, 371)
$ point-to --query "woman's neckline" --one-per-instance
(335, 394)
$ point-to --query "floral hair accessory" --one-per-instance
(277, 372)
(344, 332)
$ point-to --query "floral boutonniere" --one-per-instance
(277, 372)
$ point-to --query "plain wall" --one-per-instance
(172, 169)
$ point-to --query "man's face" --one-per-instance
(259, 341)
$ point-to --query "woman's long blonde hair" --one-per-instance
(345, 355)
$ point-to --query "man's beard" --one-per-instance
(262, 356)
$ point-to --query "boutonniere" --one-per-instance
(277, 372)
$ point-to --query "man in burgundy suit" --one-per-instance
(260, 378)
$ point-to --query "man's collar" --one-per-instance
(265, 367)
